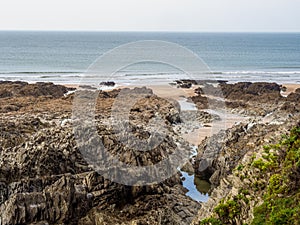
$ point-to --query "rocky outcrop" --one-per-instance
(253, 99)
(49, 151)
(63, 201)
(14, 96)
(251, 91)
(200, 101)
(292, 102)
(14, 132)
(227, 161)
(22, 89)
(294, 96)
(220, 154)
(53, 185)
(147, 209)
(44, 179)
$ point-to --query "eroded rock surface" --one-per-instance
(44, 179)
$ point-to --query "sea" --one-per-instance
(65, 57)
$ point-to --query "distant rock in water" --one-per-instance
(108, 83)
(185, 83)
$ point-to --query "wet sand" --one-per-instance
(227, 121)
(290, 88)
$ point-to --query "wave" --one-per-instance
(40, 72)
(40, 75)
(156, 76)
(239, 72)
(285, 67)
(141, 73)
(287, 73)
(147, 73)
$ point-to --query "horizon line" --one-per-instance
(142, 31)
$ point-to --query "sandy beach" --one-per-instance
(290, 88)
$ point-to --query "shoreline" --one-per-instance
(291, 87)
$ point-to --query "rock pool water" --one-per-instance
(197, 188)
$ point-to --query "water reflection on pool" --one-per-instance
(197, 188)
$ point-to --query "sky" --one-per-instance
(152, 15)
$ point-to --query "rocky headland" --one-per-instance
(44, 178)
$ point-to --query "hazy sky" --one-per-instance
(151, 15)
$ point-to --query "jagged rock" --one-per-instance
(13, 133)
(236, 104)
(5, 93)
(188, 167)
(44, 178)
(199, 91)
(185, 85)
(292, 103)
(247, 90)
(60, 202)
(10, 108)
(219, 154)
(253, 99)
(200, 101)
(294, 96)
(291, 107)
(231, 185)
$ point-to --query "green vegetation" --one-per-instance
(282, 198)
(229, 209)
(240, 167)
(268, 162)
(228, 212)
(278, 179)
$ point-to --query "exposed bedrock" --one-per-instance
(219, 155)
(44, 179)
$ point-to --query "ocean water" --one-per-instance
(63, 57)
